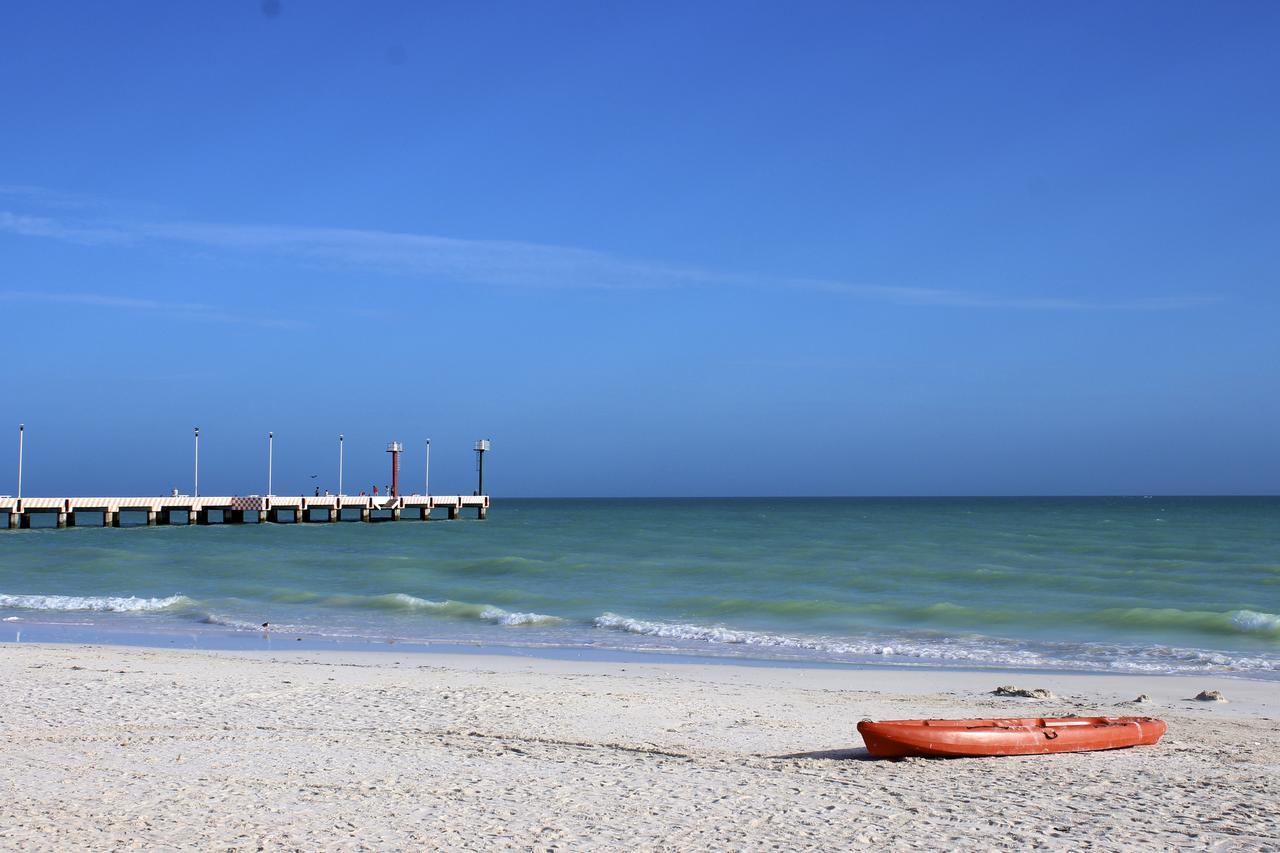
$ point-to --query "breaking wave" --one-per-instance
(502, 617)
(1248, 622)
(973, 649)
(455, 609)
(101, 604)
(399, 602)
(942, 650)
(1251, 620)
(237, 624)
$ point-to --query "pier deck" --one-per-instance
(240, 510)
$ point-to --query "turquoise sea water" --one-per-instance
(1101, 584)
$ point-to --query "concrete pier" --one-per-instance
(181, 509)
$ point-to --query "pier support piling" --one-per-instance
(158, 511)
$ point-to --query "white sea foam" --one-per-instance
(1163, 659)
(979, 650)
(464, 610)
(228, 622)
(242, 625)
(940, 651)
(501, 617)
(412, 602)
(115, 604)
(402, 602)
(1252, 620)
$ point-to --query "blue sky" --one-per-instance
(648, 249)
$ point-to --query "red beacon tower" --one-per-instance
(395, 448)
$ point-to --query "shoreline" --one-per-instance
(111, 745)
(1167, 691)
(48, 633)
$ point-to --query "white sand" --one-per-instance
(117, 747)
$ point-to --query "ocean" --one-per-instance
(1151, 585)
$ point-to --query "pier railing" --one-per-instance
(241, 509)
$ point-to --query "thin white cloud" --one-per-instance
(963, 299)
(513, 264)
(426, 256)
(181, 310)
(43, 197)
(43, 226)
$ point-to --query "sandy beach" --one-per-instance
(108, 747)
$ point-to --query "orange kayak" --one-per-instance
(958, 738)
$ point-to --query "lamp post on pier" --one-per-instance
(482, 447)
(395, 448)
(340, 464)
(196, 486)
(426, 477)
(270, 460)
(22, 428)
